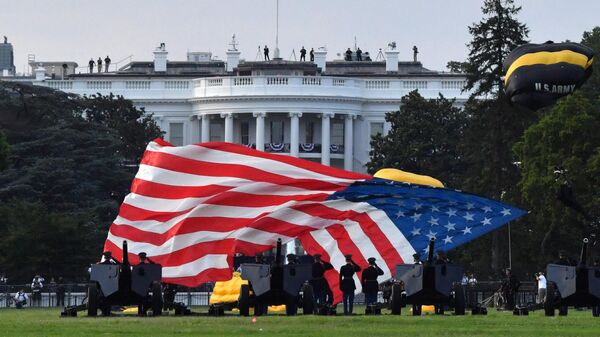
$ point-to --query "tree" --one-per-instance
(66, 163)
(568, 137)
(494, 125)
(134, 126)
(565, 136)
(423, 139)
(493, 39)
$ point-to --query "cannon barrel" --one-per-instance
(583, 256)
(278, 261)
(125, 259)
(430, 253)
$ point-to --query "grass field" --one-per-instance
(46, 322)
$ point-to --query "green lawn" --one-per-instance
(46, 322)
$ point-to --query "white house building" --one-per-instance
(325, 111)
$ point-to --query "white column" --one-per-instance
(326, 137)
(228, 126)
(260, 130)
(295, 133)
(348, 142)
(205, 137)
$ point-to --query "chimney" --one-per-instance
(160, 58)
(40, 73)
(391, 58)
(233, 55)
(321, 58)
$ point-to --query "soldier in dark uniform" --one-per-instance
(107, 258)
(291, 259)
(144, 259)
(510, 285)
(596, 308)
(440, 258)
(348, 55)
(369, 281)
(358, 54)
(318, 281)
(302, 54)
(347, 285)
(416, 307)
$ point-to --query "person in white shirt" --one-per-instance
(472, 280)
(541, 280)
(21, 299)
(36, 290)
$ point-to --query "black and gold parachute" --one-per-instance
(539, 74)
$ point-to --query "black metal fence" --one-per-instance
(74, 294)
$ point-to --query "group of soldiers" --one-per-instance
(302, 54)
(92, 63)
(322, 292)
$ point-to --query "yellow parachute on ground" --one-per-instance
(407, 177)
(229, 292)
(539, 74)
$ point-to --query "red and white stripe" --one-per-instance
(191, 208)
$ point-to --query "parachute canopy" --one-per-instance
(407, 177)
(539, 74)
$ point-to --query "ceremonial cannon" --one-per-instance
(276, 284)
(120, 284)
(428, 284)
(577, 286)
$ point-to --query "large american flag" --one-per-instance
(192, 208)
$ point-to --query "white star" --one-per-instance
(426, 250)
(468, 216)
(467, 230)
(448, 239)
(487, 209)
(418, 206)
(431, 235)
(451, 212)
(416, 231)
(470, 205)
(505, 212)
(416, 217)
(486, 221)
(399, 214)
(433, 221)
(450, 226)
(453, 203)
(434, 208)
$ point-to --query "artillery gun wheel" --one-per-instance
(396, 299)
(92, 304)
(244, 301)
(550, 299)
(157, 299)
(308, 300)
(459, 300)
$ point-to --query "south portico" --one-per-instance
(324, 136)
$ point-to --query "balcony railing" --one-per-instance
(310, 86)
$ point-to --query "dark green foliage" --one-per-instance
(69, 167)
(493, 39)
(133, 125)
(423, 139)
(568, 137)
(3, 151)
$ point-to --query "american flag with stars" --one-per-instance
(192, 208)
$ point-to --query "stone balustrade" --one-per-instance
(310, 86)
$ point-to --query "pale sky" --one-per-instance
(77, 30)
